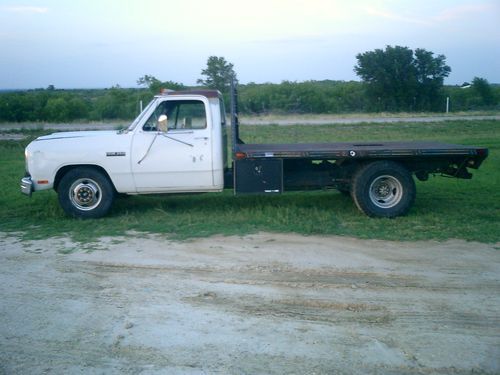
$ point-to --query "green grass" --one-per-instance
(445, 208)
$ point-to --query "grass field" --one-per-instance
(445, 208)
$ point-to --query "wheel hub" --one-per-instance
(85, 194)
(383, 190)
(386, 191)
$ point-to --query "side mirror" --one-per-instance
(162, 123)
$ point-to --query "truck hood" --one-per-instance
(79, 134)
(80, 147)
(46, 155)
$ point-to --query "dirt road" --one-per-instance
(258, 120)
(260, 304)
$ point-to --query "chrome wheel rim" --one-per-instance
(386, 191)
(85, 194)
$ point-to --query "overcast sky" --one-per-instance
(101, 43)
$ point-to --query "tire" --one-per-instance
(383, 189)
(85, 193)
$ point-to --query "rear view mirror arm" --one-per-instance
(178, 140)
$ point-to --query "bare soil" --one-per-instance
(259, 304)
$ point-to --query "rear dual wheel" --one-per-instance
(383, 189)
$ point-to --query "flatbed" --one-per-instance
(377, 175)
(343, 150)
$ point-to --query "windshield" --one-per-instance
(142, 114)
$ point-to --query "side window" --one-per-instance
(191, 115)
(182, 114)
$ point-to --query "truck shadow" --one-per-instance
(208, 204)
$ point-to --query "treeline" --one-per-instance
(303, 97)
(351, 97)
(52, 105)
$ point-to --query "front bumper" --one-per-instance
(27, 186)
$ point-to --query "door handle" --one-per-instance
(204, 138)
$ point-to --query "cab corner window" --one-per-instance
(181, 114)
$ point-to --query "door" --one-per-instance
(179, 159)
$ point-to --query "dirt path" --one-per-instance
(257, 120)
(261, 304)
(355, 119)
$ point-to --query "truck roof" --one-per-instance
(206, 93)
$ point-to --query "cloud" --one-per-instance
(464, 11)
(393, 16)
(26, 9)
(304, 39)
(423, 16)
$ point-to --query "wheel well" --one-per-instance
(351, 168)
(61, 172)
(362, 163)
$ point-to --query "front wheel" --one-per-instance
(383, 189)
(85, 193)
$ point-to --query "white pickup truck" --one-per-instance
(178, 144)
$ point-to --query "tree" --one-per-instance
(483, 89)
(148, 81)
(57, 110)
(389, 75)
(399, 79)
(155, 85)
(218, 73)
(430, 74)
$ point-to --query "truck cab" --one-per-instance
(178, 144)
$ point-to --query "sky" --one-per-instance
(103, 43)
